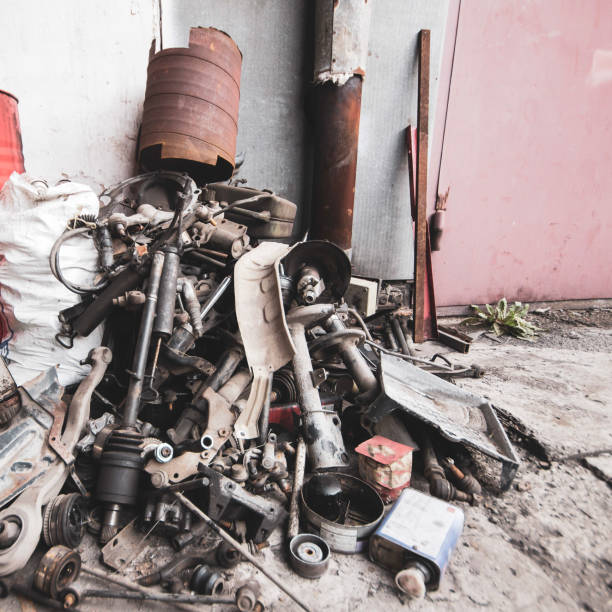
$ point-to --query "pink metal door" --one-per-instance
(527, 154)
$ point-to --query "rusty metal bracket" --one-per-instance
(55, 435)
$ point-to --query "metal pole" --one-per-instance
(141, 351)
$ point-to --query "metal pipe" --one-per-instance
(337, 109)
(240, 548)
(293, 525)
(321, 428)
(164, 316)
(185, 286)
(215, 296)
(354, 361)
(399, 335)
(202, 600)
(141, 351)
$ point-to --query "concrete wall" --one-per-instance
(527, 157)
(79, 71)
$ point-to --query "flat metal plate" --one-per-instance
(460, 416)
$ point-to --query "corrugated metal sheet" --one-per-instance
(276, 43)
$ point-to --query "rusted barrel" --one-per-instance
(11, 152)
(190, 116)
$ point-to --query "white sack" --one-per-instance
(32, 217)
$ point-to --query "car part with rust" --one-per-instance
(266, 215)
(345, 342)
(121, 462)
(416, 540)
(170, 576)
(320, 270)
(261, 319)
(226, 500)
(247, 596)
(321, 427)
(10, 401)
(190, 115)
(163, 324)
(342, 509)
(24, 453)
(459, 416)
(439, 486)
(26, 510)
(225, 237)
(240, 548)
(163, 515)
(206, 582)
(464, 481)
(59, 567)
(64, 520)
(196, 412)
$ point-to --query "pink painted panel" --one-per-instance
(527, 154)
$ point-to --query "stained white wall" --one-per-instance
(79, 71)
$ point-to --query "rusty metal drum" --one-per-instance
(190, 115)
(11, 152)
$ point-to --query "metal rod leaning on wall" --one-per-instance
(420, 224)
(241, 549)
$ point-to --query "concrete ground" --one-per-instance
(543, 545)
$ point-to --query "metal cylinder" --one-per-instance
(141, 351)
(190, 115)
(164, 318)
(337, 109)
(11, 153)
(321, 429)
(354, 360)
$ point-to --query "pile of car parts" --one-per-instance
(235, 383)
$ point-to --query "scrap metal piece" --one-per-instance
(241, 549)
(261, 319)
(309, 555)
(190, 115)
(10, 402)
(460, 416)
(330, 262)
(124, 547)
(64, 520)
(24, 456)
(282, 212)
(321, 428)
(217, 432)
(228, 501)
(359, 510)
(454, 338)
(59, 567)
(26, 511)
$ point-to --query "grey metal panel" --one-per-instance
(383, 244)
(272, 37)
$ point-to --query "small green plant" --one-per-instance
(504, 319)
